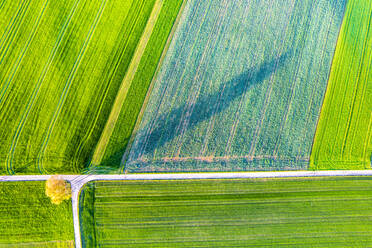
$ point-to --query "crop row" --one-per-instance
(344, 135)
(240, 88)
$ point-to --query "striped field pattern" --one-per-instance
(29, 219)
(61, 65)
(344, 135)
(240, 88)
(135, 95)
(307, 212)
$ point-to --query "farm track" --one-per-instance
(78, 181)
(294, 211)
(346, 107)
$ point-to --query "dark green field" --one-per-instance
(321, 212)
(29, 219)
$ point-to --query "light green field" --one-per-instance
(321, 212)
(61, 65)
(130, 109)
(344, 134)
(29, 219)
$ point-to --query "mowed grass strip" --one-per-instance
(344, 135)
(61, 65)
(135, 96)
(301, 212)
(240, 88)
(29, 219)
(125, 85)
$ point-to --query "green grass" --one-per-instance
(344, 135)
(61, 65)
(140, 84)
(29, 219)
(240, 88)
(307, 212)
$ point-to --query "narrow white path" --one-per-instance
(78, 181)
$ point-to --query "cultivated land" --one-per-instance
(240, 88)
(311, 212)
(110, 150)
(29, 219)
(344, 135)
(62, 63)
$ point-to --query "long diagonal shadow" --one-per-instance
(206, 106)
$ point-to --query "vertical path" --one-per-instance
(75, 215)
(125, 85)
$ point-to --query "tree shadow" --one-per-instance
(167, 125)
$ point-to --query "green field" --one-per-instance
(344, 134)
(62, 63)
(240, 88)
(29, 219)
(307, 212)
(136, 94)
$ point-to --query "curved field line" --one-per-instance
(84, 140)
(10, 25)
(12, 33)
(329, 95)
(125, 85)
(235, 50)
(31, 100)
(21, 56)
(242, 100)
(68, 85)
(304, 129)
(355, 90)
(170, 82)
(199, 76)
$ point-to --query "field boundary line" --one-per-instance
(126, 83)
(133, 20)
(314, 152)
(148, 94)
(78, 181)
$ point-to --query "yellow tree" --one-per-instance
(57, 189)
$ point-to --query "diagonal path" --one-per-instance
(78, 181)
